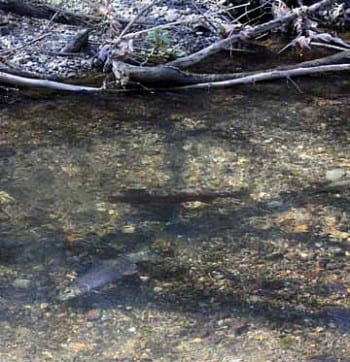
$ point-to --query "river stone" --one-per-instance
(335, 174)
(22, 283)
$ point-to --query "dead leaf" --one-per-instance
(338, 234)
(78, 346)
(74, 236)
(302, 228)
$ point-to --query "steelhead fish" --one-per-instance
(98, 276)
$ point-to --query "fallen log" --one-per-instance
(235, 79)
(162, 75)
(43, 83)
(23, 8)
(167, 76)
(24, 74)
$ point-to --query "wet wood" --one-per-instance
(163, 75)
(167, 76)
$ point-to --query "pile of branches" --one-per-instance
(234, 24)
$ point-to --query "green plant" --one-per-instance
(160, 47)
(159, 39)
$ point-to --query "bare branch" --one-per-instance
(43, 83)
(244, 35)
(132, 22)
(270, 75)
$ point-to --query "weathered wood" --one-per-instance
(244, 35)
(171, 75)
(24, 8)
(41, 83)
(78, 42)
(341, 57)
(270, 75)
(22, 73)
(166, 76)
(162, 75)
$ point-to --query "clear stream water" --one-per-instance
(257, 277)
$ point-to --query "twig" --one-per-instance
(251, 10)
(162, 26)
(295, 85)
(54, 16)
(85, 18)
(243, 35)
(286, 47)
(132, 21)
(251, 21)
(227, 9)
(9, 51)
(204, 16)
(330, 46)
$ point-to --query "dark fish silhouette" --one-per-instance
(140, 196)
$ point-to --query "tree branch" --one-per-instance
(243, 35)
(269, 75)
(41, 83)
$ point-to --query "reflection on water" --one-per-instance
(261, 275)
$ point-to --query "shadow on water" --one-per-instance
(268, 302)
(276, 257)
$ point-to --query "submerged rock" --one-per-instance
(22, 283)
(336, 174)
(336, 179)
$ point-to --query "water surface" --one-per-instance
(261, 276)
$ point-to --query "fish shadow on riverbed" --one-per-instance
(264, 297)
